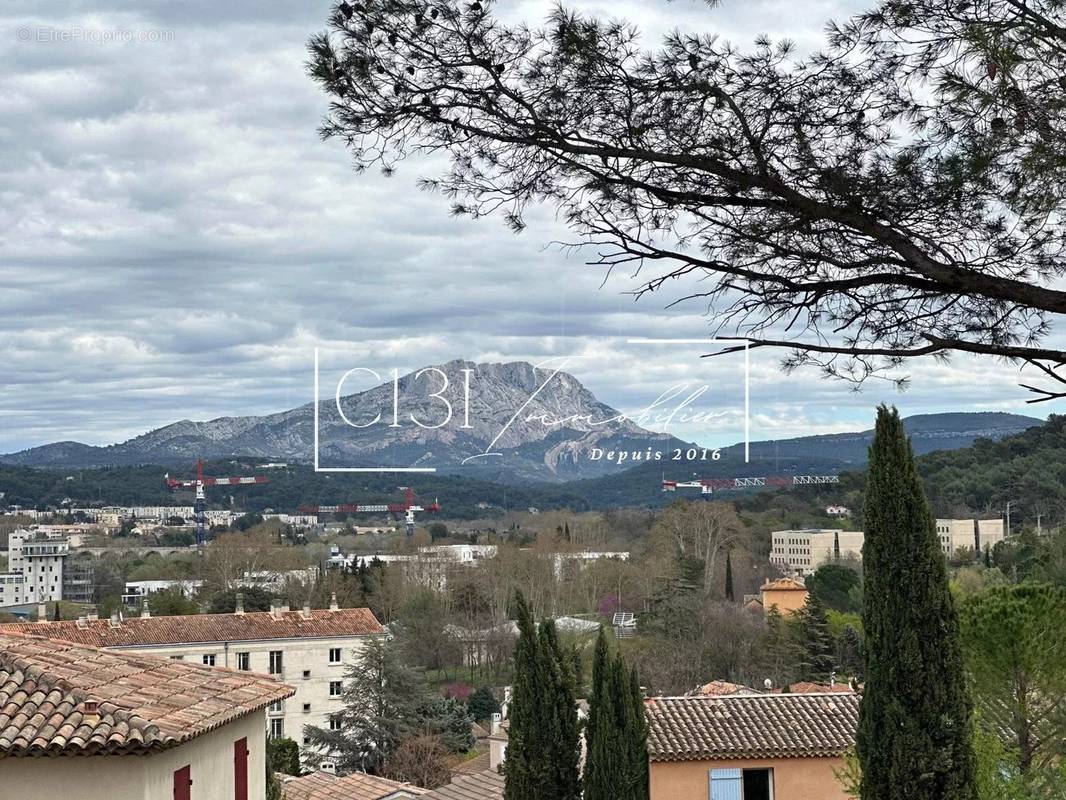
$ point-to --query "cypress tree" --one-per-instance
(616, 758)
(729, 576)
(816, 641)
(602, 742)
(544, 743)
(914, 722)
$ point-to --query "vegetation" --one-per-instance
(543, 741)
(1015, 637)
(616, 761)
(914, 722)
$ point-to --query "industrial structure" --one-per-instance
(408, 508)
(708, 485)
(200, 506)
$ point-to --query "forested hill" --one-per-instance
(1028, 469)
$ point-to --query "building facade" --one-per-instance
(755, 747)
(307, 649)
(38, 558)
(803, 551)
(122, 727)
(971, 534)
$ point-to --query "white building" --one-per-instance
(128, 727)
(309, 649)
(38, 557)
(135, 592)
(803, 551)
(972, 534)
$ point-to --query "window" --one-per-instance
(177, 658)
(275, 707)
(277, 728)
(307, 674)
(334, 722)
(307, 707)
(741, 784)
(334, 655)
(336, 688)
(244, 661)
(275, 662)
(307, 741)
(209, 659)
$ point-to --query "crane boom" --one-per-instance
(408, 508)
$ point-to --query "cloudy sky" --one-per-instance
(175, 240)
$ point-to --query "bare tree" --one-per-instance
(897, 194)
(702, 531)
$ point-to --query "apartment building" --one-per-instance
(973, 534)
(307, 649)
(35, 568)
(803, 551)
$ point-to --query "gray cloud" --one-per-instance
(175, 239)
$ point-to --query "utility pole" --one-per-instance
(1009, 504)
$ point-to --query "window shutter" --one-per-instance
(725, 784)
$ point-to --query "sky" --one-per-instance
(176, 241)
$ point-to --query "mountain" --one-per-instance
(927, 432)
(540, 426)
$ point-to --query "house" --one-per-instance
(804, 551)
(754, 747)
(141, 727)
(310, 649)
(357, 786)
(721, 689)
(787, 595)
(487, 785)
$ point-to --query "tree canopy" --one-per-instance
(897, 193)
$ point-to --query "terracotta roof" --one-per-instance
(478, 763)
(58, 698)
(205, 628)
(784, 585)
(751, 726)
(487, 785)
(357, 786)
(806, 687)
(721, 688)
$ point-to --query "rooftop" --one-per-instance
(486, 785)
(751, 726)
(357, 786)
(204, 628)
(59, 698)
(784, 585)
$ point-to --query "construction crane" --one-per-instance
(708, 485)
(200, 508)
(408, 508)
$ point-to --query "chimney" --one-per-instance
(306, 613)
(146, 612)
(239, 609)
(42, 612)
(333, 602)
(93, 616)
(82, 622)
(116, 621)
(90, 711)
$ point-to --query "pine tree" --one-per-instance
(816, 641)
(544, 741)
(914, 735)
(729, 576)
(836, 545)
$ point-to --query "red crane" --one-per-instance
(408, 508)
(708, 485)
(200, 508)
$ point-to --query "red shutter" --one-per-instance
(240, 769)
(183, 783)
